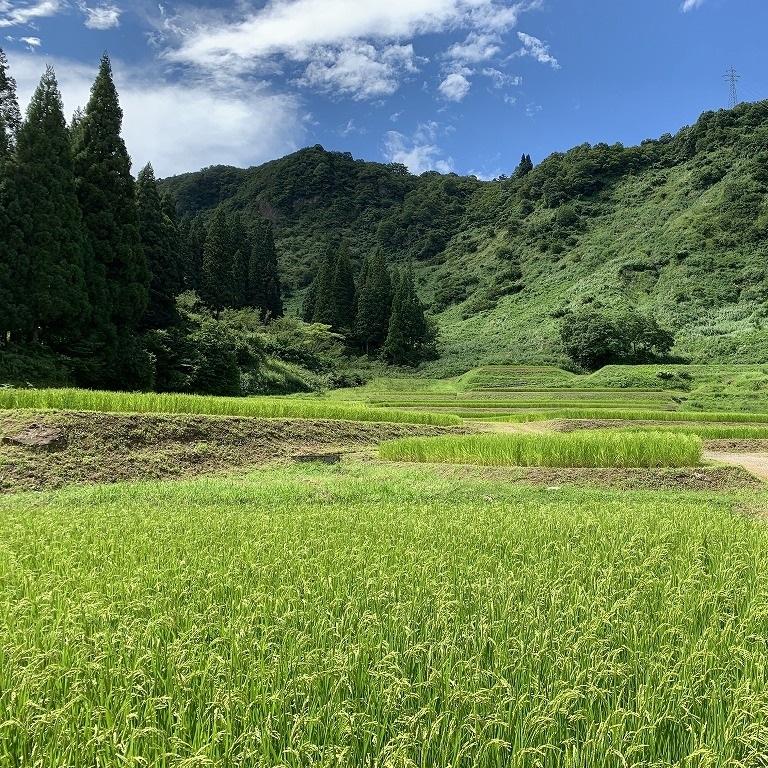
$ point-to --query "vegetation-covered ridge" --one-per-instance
(676, 227)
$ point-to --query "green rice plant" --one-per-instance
(257, 407)
(381, 616)
(575, 449)
(589, 414)
(710, 431)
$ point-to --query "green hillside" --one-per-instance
(676, 226)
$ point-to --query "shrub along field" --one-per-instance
(576, 449)
(327, 617)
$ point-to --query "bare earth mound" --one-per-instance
(50, 449)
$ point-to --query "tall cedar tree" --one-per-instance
(217, 275)
(50, 242)
(158, 245)
(374, 303)
(11, 288)
(325, 311)
(343, 292)
(240, 246)
(194, 245)
(10, 114)
(525, 167)
(173, 234)
(265, 292)
(118, 274)
(411, 337)
(309, 303)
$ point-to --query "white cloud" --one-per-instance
(14, 14)
(476, 48)
(180, 126)
(455, 87)
(418, 154)
(537, 49)
(691, 5)
(31, 42)
(359, 70)
(501, 79)
(105, 16)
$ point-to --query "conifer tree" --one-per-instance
(10, 121)
(374, 303)
(44, 211)
(157, 242)
(10, 114)
(343, 292)
(411, 337)
(241, 248)
(216, 278)
(325, 311)
(265, 292)
(194, 244)
(118, 275)
(524, 168)
(309, 303)
(174, 237)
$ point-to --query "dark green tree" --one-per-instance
(310, 302)
(343, 293)
(411, 337)
(157, 240)
(49, 239)
(10, 115)
(118, 274)
(194, 233)
(217, 273)
(241, 248)
(374, 303)
(524, 168)
(265, 291)
(325, 310)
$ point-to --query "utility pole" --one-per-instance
(732, 77)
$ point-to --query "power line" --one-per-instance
(732, 77)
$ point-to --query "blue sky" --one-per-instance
(450, 85)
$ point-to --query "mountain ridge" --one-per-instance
(676, 226)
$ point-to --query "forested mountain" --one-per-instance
(676, 227)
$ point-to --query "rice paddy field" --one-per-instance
(576, 449)
(370, 612)
(325, 616)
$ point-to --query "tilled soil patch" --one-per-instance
(106, 447)
(692, 479)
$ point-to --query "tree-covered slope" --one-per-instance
(677, 227)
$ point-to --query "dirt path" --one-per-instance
(756, 463)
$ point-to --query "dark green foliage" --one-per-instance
(240, 246)
(310, 302)
(343, 292)
(47, 240)
(374, 303)
(593, 338)
(194, 233)
(116, 269)
(264, 288)
(324, 310)
(158, 239)
(10, 115)
(411, 337)
(525, 167)
(217, 288)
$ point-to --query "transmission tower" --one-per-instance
(732, 77)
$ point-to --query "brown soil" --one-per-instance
(693, 479)
(755, 463)
(106, 448)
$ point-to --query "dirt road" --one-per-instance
(756, 463)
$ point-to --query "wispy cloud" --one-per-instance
(691, 5)
(455, 87)
(17, 14)
(104, 16)
(536, 49)
(419, 153)
(181, 125)
(352, 47)
(31, 42)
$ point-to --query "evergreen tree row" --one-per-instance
(377, 314)
(90, 260)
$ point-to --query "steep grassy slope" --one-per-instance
(677, 227)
